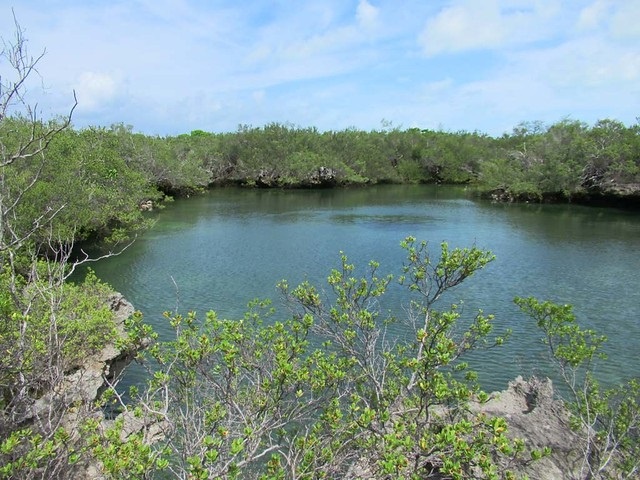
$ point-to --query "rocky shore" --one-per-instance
(84, 383)
(625, 196)
(80, 391)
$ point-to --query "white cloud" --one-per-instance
(94, 90)
(259, 53)
(474, 25)
(617, 19)
(592, 15)
(584, 63)
(366, 14)
(315, 41)
(626, 20)
(259, 96)
(585, 78)
(462, 28)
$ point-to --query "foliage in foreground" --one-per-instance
(329, 392)
(54, 190)
(607, 421)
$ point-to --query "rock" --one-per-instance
(534, 415)
(84, 386)
(152, 429)
(500, 195)
(146, 206)
(267, 178)
(323, 177)
(84, 383)
(87, 381)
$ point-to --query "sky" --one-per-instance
(168, 67)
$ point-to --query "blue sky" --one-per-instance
(171, 66)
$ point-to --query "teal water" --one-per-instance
(220, 250)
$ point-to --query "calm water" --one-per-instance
(218, 251)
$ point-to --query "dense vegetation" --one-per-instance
(568, 160)
(318, 391)
(102, 175)
(562, 161)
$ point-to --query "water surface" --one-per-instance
(220, 250)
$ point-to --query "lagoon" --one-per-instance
(222, 249)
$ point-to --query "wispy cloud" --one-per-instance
(367, 14)
(491, 24)
(170, 66)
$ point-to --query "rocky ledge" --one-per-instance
(76, 397)
(535, 415)
(626, 196)
(84, 383)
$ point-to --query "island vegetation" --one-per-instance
(566, 161)
(318, 390)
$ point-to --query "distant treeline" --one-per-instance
(103, 175)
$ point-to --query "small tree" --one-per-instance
(608, 420)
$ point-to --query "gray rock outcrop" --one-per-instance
(535, 415)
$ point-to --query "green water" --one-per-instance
(220, 250)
